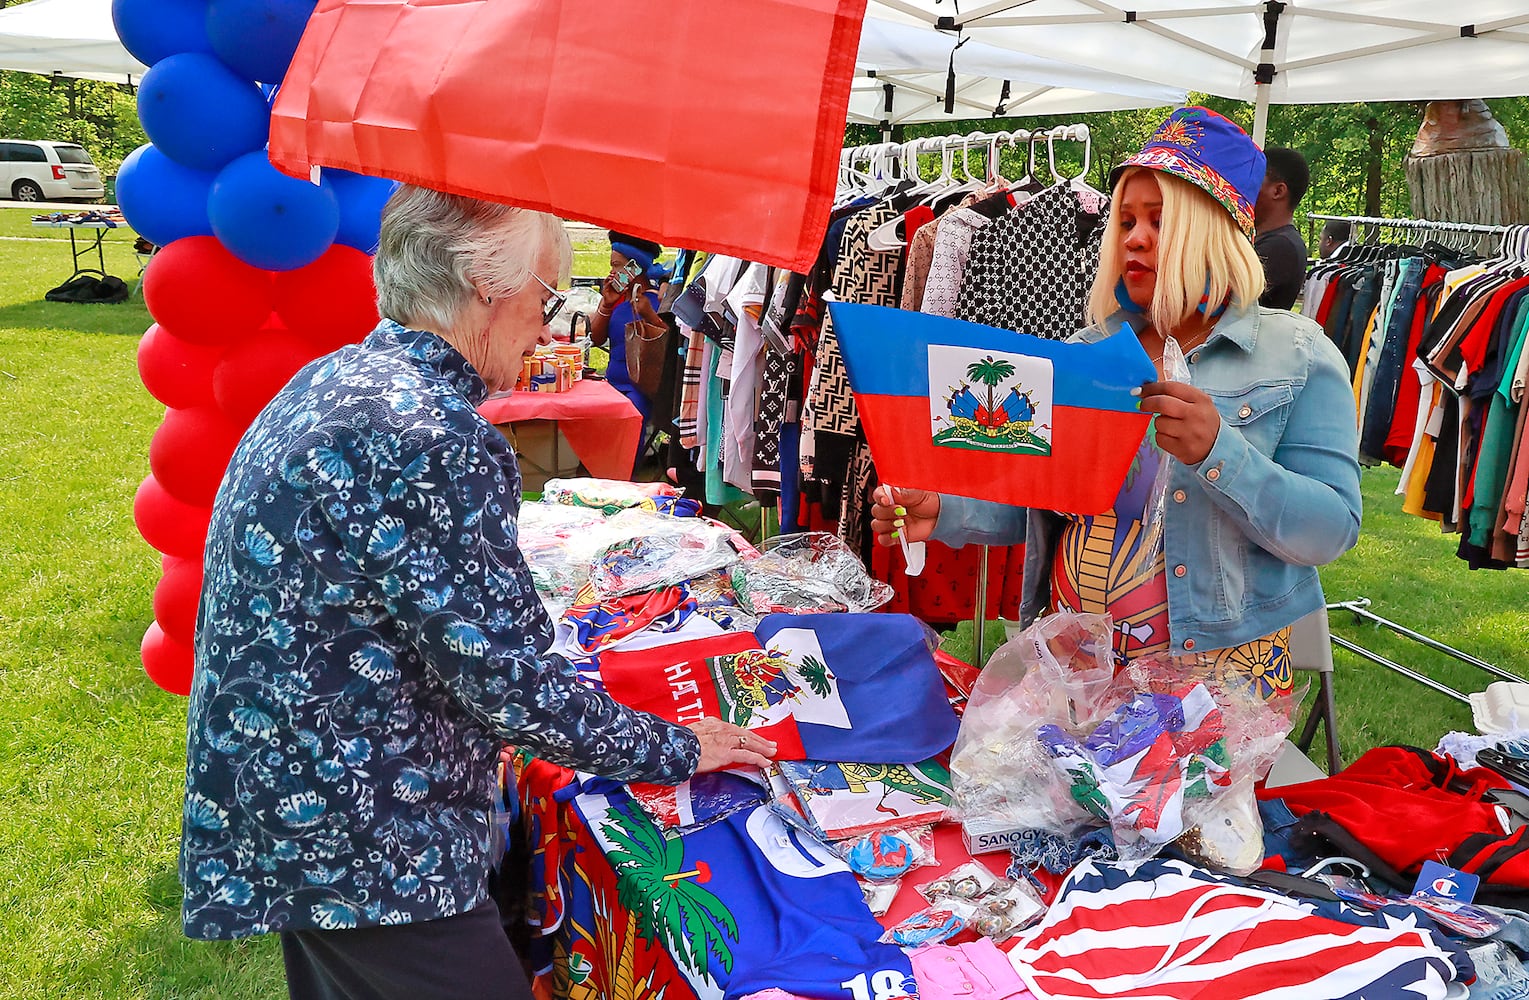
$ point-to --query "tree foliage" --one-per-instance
(102, 117)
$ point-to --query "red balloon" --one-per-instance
(176, 598)
(168, 663)
(171, 526)
(202, 293)
(190, 452)
(332, 301)
(255, 370)
(176, 372)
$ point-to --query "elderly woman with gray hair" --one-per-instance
(369, 636)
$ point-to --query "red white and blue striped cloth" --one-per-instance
(1165, 930)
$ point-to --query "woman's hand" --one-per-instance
(726, 745)
(1187, 419)
(909, 514)
(610, 295)
(642, 306)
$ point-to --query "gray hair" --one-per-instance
(434, 248)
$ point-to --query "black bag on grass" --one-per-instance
(89, 288)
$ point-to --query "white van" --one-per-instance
(48, 171)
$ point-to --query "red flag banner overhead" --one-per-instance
(699, 123)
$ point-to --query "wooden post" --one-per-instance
(1462, 169)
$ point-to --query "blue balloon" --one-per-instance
(361, 201)
(269, 220)
(257, 37)
(161, 199)
(199, 113)
(154, 29)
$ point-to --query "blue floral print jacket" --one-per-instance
(367, 640)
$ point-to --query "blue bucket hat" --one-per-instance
(1210, 152)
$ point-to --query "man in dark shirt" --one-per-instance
(1278, 242)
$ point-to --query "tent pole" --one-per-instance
(1263, 76)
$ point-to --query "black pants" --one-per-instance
(465, 957)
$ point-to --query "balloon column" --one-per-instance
(258, 273)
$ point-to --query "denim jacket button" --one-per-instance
(1180, 570)
(1245, 412)
(1189, 644)
(1214, 474)
(1179, 496)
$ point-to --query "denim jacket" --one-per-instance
(1245, 529)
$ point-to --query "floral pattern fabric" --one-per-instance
(369, 637)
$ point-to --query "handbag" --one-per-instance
(645, 350)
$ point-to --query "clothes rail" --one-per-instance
(1418, 224)
(1360, 609)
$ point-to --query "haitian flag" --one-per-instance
(884, 675)
(834, 687)
(979, 412)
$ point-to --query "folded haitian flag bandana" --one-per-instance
(840, 687)
(979, 412)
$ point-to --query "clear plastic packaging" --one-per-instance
(887, 855)
(813, 571)
(931, 925)
(879, 895)
(610, 496)
(842, 799)
(655, 550)
(558, 544)
(1175, 369)
(1058, 669)
(1166, 751)
(996, 907)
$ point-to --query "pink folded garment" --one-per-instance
(973, 971)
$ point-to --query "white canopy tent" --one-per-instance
(1267, 52)
(66, 38)
(902, 70)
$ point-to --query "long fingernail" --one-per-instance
(897, 534)
(900, 511)
(1136, 391)
(899, 524)
(1138, 404)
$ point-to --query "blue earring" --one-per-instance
(1124, 298)
(1205, 304)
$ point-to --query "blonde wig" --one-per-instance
(1200, 253)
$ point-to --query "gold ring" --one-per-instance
(742, 741)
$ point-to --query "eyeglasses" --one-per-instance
(554, 304)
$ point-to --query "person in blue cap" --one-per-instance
(1261, 439)
(628, 296)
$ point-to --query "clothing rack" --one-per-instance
(1360, 607)
(1520, 233)
(900, 159)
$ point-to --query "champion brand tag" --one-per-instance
(1446, 883)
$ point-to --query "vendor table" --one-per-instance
(601, 425)
(92, 246)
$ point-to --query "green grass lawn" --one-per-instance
(94, 753)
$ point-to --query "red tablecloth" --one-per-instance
(601, 425)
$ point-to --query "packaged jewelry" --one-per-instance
(931, 925)
(966, 883)
(888, 854)
(879, 895)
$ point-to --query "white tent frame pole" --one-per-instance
(1267, 68)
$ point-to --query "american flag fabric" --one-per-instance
(1163, 929)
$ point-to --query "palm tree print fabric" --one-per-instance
(369, 637)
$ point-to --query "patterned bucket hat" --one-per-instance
(1210, 152)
